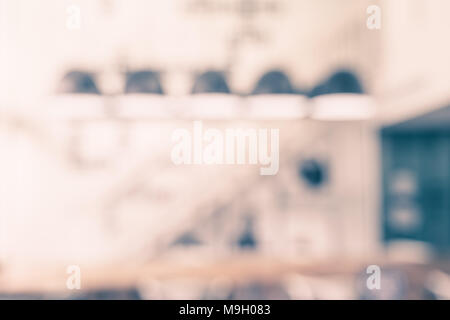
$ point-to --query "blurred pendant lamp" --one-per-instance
(77, 96)
(211, 97)
(143, 82)
(341, 98)
(143, 96)
(210, 82)
(274, 97)
(274, 82)
(78, 82)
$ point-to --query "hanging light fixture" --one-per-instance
(341, 98)
(77, 96)
(143, 96)
(211, 98)
(274, 97)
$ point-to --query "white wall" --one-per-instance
(415, 74)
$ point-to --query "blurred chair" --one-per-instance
(341, 97)
(109, 294)
(254, 290)
(274, 97)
